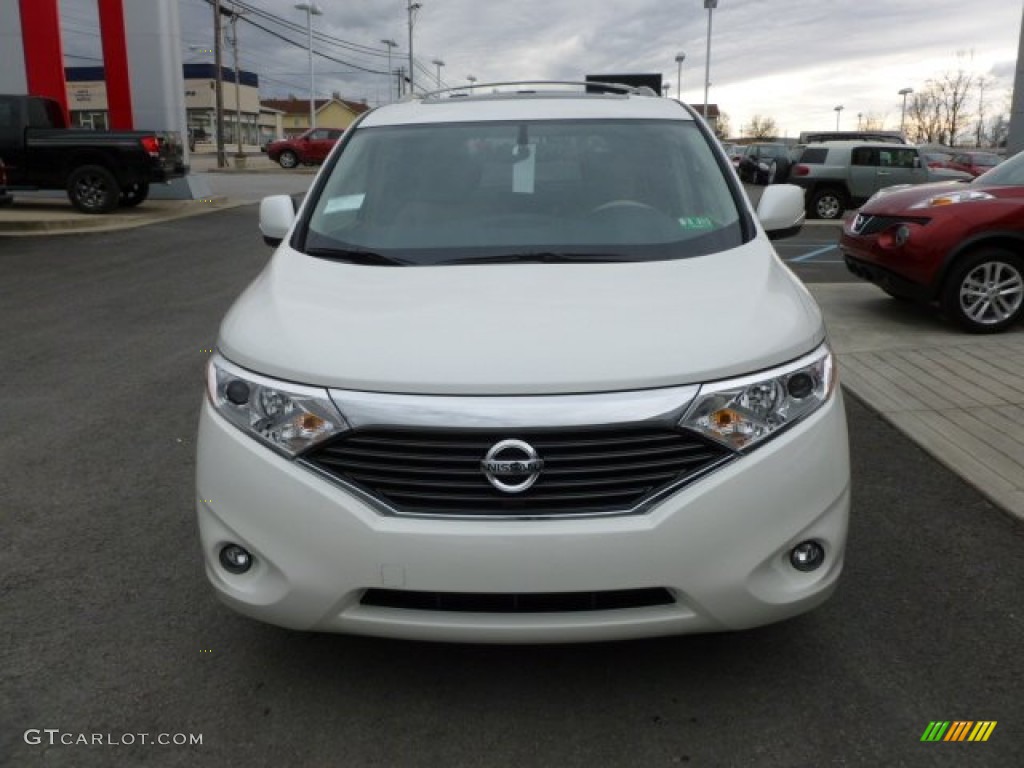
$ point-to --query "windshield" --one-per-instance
(456, 192)
(1009, 173)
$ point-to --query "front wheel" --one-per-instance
(984, 293)
(93, 189)
(134, 194)
(288, 159)
(827, 203)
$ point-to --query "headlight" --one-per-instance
(952, 198)
(742, 413)
(287, 417)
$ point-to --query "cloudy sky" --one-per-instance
(791, 60)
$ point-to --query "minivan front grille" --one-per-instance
(585, 470)
(528, 602)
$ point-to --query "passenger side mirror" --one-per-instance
(277, 214)
(781, 210)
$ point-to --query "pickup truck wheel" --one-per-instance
(134, 194)
(827, 203)
(984, 293)
(288, 159)
(93, 189)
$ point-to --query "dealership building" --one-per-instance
(88, 107)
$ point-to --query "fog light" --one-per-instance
(902, 235)
(807, 556)
(235, 559)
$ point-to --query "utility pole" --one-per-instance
(238, 82)
(222, 161)
(412, 8)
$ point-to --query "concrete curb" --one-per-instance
(47, 217)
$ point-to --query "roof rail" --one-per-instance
(475, 89)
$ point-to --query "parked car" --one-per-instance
(842, 174)
(974, 163)
(764, 163)
(309, 148)
(961, 245)
(100, 170)
(935, 159)
(487, 388)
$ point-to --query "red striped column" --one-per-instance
(44, 53)
(115, 65)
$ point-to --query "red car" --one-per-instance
(974, 163)
(313, 146)
(961, 245)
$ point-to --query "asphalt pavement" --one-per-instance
(108, 627)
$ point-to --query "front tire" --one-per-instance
(288, 159)
(984, 292)
(134, 194)
(827, 203)
(93, 189)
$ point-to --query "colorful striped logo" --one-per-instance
(958, 730)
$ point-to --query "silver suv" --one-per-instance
(843, 174)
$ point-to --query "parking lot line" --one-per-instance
(812, 254)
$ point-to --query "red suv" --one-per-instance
(961, 245)
(313, 146)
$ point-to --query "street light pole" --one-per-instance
(903, 114)
(680, 58)
(471, 80)
(438, 63)
(311, 9)
(839, 111)
(710, 5)
(390, 44)
(412, 8)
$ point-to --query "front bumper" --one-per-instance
(719, 546)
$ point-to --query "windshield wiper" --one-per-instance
(542, 257)
(356, 256)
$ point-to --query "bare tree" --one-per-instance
(762, 127)
(722, 128)
(952, 90)
(872, 122)
(924, 117)
(982, 83)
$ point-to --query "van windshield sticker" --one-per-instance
(344, 203)
(696, 222)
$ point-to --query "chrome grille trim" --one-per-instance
(578, 480)
(377, 409)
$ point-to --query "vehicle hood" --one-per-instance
(521, 328)
(902, 196)
(948, 174)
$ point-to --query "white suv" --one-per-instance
(524, 367)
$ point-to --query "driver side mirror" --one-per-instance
(277, 214)
(781, 210)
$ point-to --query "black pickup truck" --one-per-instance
(100, 170)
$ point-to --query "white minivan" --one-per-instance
(525, 367)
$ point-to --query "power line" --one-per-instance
(304, 47)
(322, 36)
